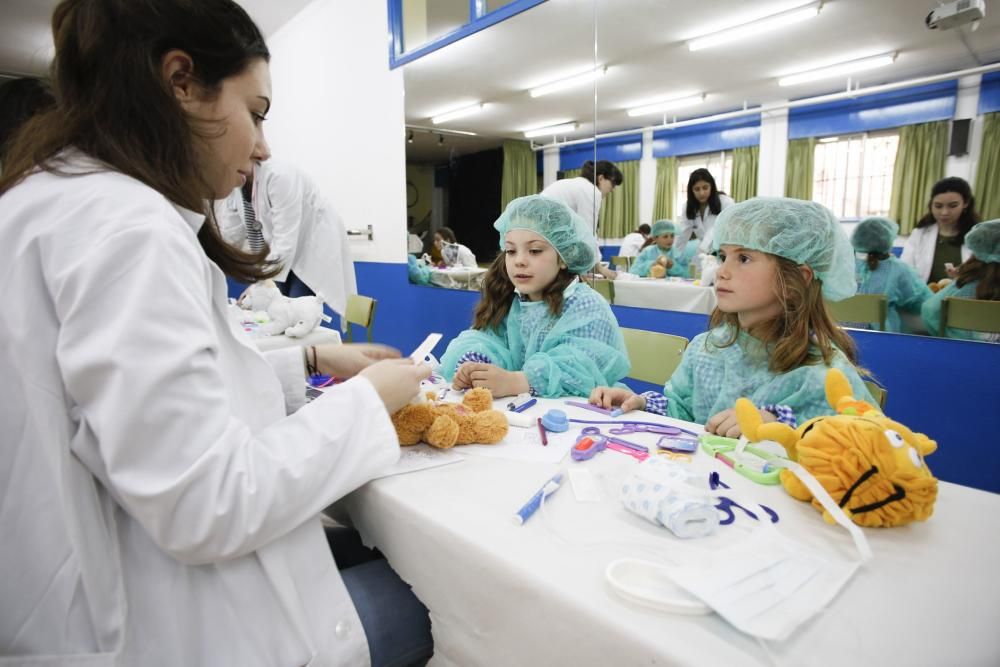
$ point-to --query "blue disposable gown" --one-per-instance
(418, 273)
(648, 257)
(565, 355)
(903, 288)
(931, 313)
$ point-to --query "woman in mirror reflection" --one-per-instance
(633, 243)
(879, 272)
(704, 203)
(452, 252)
(538, 329)
(937, 245)
(977, 278)
(771, 338)
(663, 253)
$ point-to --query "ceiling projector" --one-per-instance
(952, 14)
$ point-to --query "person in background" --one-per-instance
(160, 505)
(538, 328)
(977, 278)
(20, 101)
(878, 272)
(937, 245)
(663, 253)
(634, 242)
(452, 252)
(704, 203)
(771, 338)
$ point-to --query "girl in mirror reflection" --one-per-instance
(771, 338)
(704, 203)
(937, 245)
(879, 272)
(663, 253)
(538, 329)
(452, 252)
(977, 278)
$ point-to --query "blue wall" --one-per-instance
(989, 93)
(720, 135)
(615, 149)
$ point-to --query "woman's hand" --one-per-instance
(725, 424)
(610, 397)
(497, 380)
(397, 381)
(345, 361)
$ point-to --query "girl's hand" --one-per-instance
(668, 262)
(662, 261)
(462, 379)
(497, 380)
(725, 424)
(610, 397)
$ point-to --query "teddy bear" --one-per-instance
(940, 284)
(292, 317)
(445, 425)
(872, 466)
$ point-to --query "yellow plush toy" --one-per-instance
(872, 466)
(445, 425)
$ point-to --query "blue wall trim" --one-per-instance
(881, 111)
(989, 93)
(615, 149)
(711, 137)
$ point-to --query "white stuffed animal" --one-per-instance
(292, 317)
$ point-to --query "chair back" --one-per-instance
(970, 314)
(879, 393)
(863, 308)
(360, 311)
(605, 288)
(620, 260)
(654, 356)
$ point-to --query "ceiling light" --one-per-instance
(569, 82)
(458, 113)
(754, 28)
(837, 70)
(564, 128)
(829, 140)
(667, 105)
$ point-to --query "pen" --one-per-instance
(524, 406)
(541, 429)
(532, 505)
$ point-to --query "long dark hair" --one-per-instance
(113, 104)
(875, 258)
(498, 294)
(714, 203)
(961, 188)
(988, 275)
(604, 168)
(21, 99)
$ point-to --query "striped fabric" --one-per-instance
(255, 238)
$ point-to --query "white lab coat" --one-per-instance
(919, 250)
(158, 507)
(704, 225)
(304, 233)
(631, 245)
(580, 195)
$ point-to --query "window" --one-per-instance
(719, 164)
(852, 175)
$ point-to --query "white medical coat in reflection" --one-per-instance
(919, 250)
(158, 508)
(703, 225)
(303, 231)
(580, 195)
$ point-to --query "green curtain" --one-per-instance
(520, 168)
(987, 188)
(620, 210)
(919, 165)
(745, 163)
(799, 168)
(571, 173)
(666, 186)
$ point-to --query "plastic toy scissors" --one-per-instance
(625, 428)
(594, 431)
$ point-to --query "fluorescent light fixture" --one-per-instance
(829, 140)
(468, 134)
(839, 69)
(569, 82)
(461, 112)
(667, 105)
(754, 28)
(564, 128)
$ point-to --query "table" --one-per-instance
(665, 294)
(501, 594)
(458, 277)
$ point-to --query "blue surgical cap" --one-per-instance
(874, 235)
(802, 231)
(984, 241)
(661, 227)
(557, 224)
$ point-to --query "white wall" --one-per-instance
(337, 113)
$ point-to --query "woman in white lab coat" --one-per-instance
(452, 252)
(936, 247)
(704, 203)
(305, 235)
(159, 507)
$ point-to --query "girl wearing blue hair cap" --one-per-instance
(663, 252)
(878, 272)
(537, 328)
(771, 338)
(978, 278)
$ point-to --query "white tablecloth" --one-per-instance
(501, 594)
(458, 277)
(663, 294)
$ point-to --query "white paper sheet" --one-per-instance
(421, 457)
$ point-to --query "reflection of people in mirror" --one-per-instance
(538, 328)
(879, 272)
(452, 252)
(939, 237)
(663, 254)
(634, 242)
(283, 208)
(977, 278)
(704, 203)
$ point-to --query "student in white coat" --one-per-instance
(704, 203)
(285, 209)
(936, 247)
(633, 243)
(452, 252)
(159, 507)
